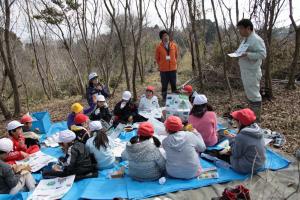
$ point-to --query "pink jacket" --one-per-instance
(206, 126)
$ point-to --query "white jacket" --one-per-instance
(250, 66)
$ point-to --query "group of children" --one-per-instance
(88, 148)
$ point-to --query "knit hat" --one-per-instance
(200, 99)
(244, 116)
(146, 129)
(76, 108)
(188, 88)
(173, 123)
(13, 125)
(6, 145)
(100, 98)
(66, 136)
(95, 126)
(126, 95)
(80, 118)
(150, 88)
(26, 119)
(93, 75)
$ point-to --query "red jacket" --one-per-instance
(160, 56)
(19, 146)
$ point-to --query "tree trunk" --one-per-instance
(268, 76)
(222, 51)
(293, 66)
(10, 70)
(192, 52)
(4, 110)
(192, 18)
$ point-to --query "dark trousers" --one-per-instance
(166, 78)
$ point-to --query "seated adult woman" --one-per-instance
(204, 120)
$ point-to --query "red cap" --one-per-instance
(80, 118)
(146, 129)
(244, 116)
(173, 123)
(150, 88)
(26, 119)
(188, 88)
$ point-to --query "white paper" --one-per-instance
(154, 113)
(52, 140)
(242, 49)
(118, 147)
(37, 161)
(159, 127)
(49, 189)
(267, 141)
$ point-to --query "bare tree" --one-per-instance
(271, 10)
(7, 56)
(37, 61)
(222, 51)
(293, 65)
(121, 35)
(54, 17)
(192, 12)
(173, 7)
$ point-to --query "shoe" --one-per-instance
(237, 193)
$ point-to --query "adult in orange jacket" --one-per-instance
(166, 59)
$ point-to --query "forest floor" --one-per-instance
(282, 114)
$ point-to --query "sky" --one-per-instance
(152, 19)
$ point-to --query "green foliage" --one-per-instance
(50, 15)
(73, 4)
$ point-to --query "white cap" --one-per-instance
(100, 98)
(200, 99)
(13, 125)
(92, 75)
(6, 145)
(95, 126)
(126, 95)
(66, 136)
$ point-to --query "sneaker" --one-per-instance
(279, 139)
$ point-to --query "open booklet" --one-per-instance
(52, 188)
(242, 49)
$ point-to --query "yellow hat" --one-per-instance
(76, 108)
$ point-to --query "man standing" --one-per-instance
(166, 58)
(250, 64)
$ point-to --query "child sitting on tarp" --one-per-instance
(182, 150)
(76, 160)
(100, 145)
(77, 108)
(10, 182)
(247, 152)
(188, 91)
(145, 162)
(94, 87)
(20, 150)
(81, 128)
(126, 111)
(101, 111)
(31, 137)
(204, 120)
(148, 101)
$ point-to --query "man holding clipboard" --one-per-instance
(166, 58)
(250, 53)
